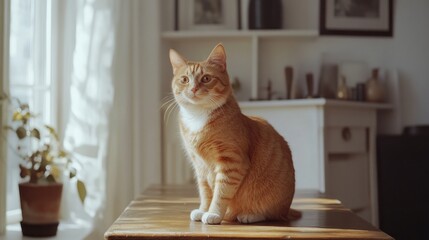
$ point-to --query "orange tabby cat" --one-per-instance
(242, 165)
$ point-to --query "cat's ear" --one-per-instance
(218, 57)
(176, 60)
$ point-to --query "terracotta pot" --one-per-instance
(40, 205)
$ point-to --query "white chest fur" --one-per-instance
(194, 119)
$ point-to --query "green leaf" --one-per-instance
(21, 132)
(7, 127)
(62, 154)
(55, 171)
(72, 172)
(50, 178)
(26, 117)
(35, 133)
(81, 190)
(52, 132)
(17, 116)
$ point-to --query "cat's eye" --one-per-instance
(206, 79)
(184, 80)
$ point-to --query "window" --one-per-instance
(30, 74)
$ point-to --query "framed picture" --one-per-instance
(356, 17)
(207, 14)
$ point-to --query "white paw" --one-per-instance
(211, 218)
(196, 215)
(250, 218)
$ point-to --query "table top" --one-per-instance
(162, 212)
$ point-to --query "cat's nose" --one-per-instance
(194, 89)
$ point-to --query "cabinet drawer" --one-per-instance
(348, 180)
(346, 140)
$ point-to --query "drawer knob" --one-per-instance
(346, 134)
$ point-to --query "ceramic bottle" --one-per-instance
(374, 89)
(342, 90)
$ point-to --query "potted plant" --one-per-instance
(43, 165)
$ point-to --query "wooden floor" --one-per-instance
(163, 213)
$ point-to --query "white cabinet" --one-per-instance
(333, 147)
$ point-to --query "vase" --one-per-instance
(289, 81)
(265, 14)
(342, 90)
(374, 89)
(328, 81)
(310, 85)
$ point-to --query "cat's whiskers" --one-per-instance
(168, 111)
(169, 106)
(169, 95)
(167, 102)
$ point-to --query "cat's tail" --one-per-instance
(293, 214)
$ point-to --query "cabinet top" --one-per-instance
(314, 102)
(240, 34)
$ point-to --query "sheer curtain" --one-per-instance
(2, 159)
(113, 123)
(3, 112)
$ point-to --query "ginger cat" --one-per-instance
(242, 165)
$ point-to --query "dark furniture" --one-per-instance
(403, 184)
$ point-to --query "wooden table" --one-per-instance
(162, 212)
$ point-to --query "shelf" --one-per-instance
(67, 230)
(240, 34)
(313, 102)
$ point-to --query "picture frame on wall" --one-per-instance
(356, 17)
(207, 14)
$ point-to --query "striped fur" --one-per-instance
(243, 167)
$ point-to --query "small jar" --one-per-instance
(342, 90)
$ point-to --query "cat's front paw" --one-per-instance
(196, 215)
(211, 218)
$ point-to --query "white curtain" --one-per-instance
(3, 81)
(2, 160)
(2, 164)
(113, 124)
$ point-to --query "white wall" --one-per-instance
(407, 51)
(151, 56)
(410, 53)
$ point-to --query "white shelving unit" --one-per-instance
(248, 51)
(246, 36)
(260, 34)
